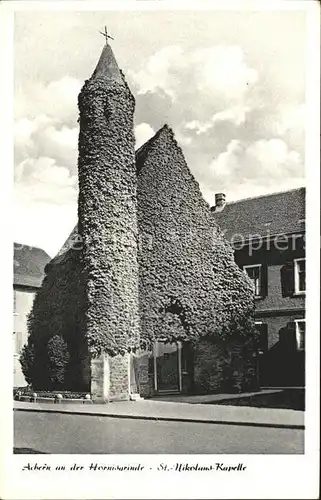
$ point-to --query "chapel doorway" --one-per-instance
(167, 367)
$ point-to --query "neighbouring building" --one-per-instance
(145, 296)
(268, 236)
(28, 273)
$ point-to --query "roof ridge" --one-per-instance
(275, 193)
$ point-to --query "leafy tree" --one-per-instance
(27, 362)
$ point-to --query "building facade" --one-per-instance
(268, 236)
(29, 264)
(145, 293)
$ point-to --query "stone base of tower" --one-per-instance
(110, 378)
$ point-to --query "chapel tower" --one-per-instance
(107, 223)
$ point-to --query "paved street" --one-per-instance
(67, 433)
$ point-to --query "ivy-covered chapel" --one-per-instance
(144, 297)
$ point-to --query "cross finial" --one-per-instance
(105, 34)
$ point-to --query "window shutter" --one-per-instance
(264, 280)
(287, 279)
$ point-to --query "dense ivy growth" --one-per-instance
(186, 265)
(107, 215)
(58, 358)
(27, 361)
(152, 264)
(57, 311)
(227, 365)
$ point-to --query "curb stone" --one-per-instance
(163, 418)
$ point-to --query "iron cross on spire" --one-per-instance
(105, 34)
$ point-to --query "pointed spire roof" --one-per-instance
(107, 66)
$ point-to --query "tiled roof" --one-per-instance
(28, 265)
(107, 66)
(277, 213)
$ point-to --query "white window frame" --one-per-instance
(297, 333)
(260, 277)
(296, 277)
(17, 335)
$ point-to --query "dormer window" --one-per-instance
(299, 276)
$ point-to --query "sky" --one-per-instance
(230, 84)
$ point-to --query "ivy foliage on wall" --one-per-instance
(152, 263)
(107, 215)
(56, 313)
(189, 285)
(186, 265)
(89, 297)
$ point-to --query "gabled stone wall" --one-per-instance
(190, 286)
